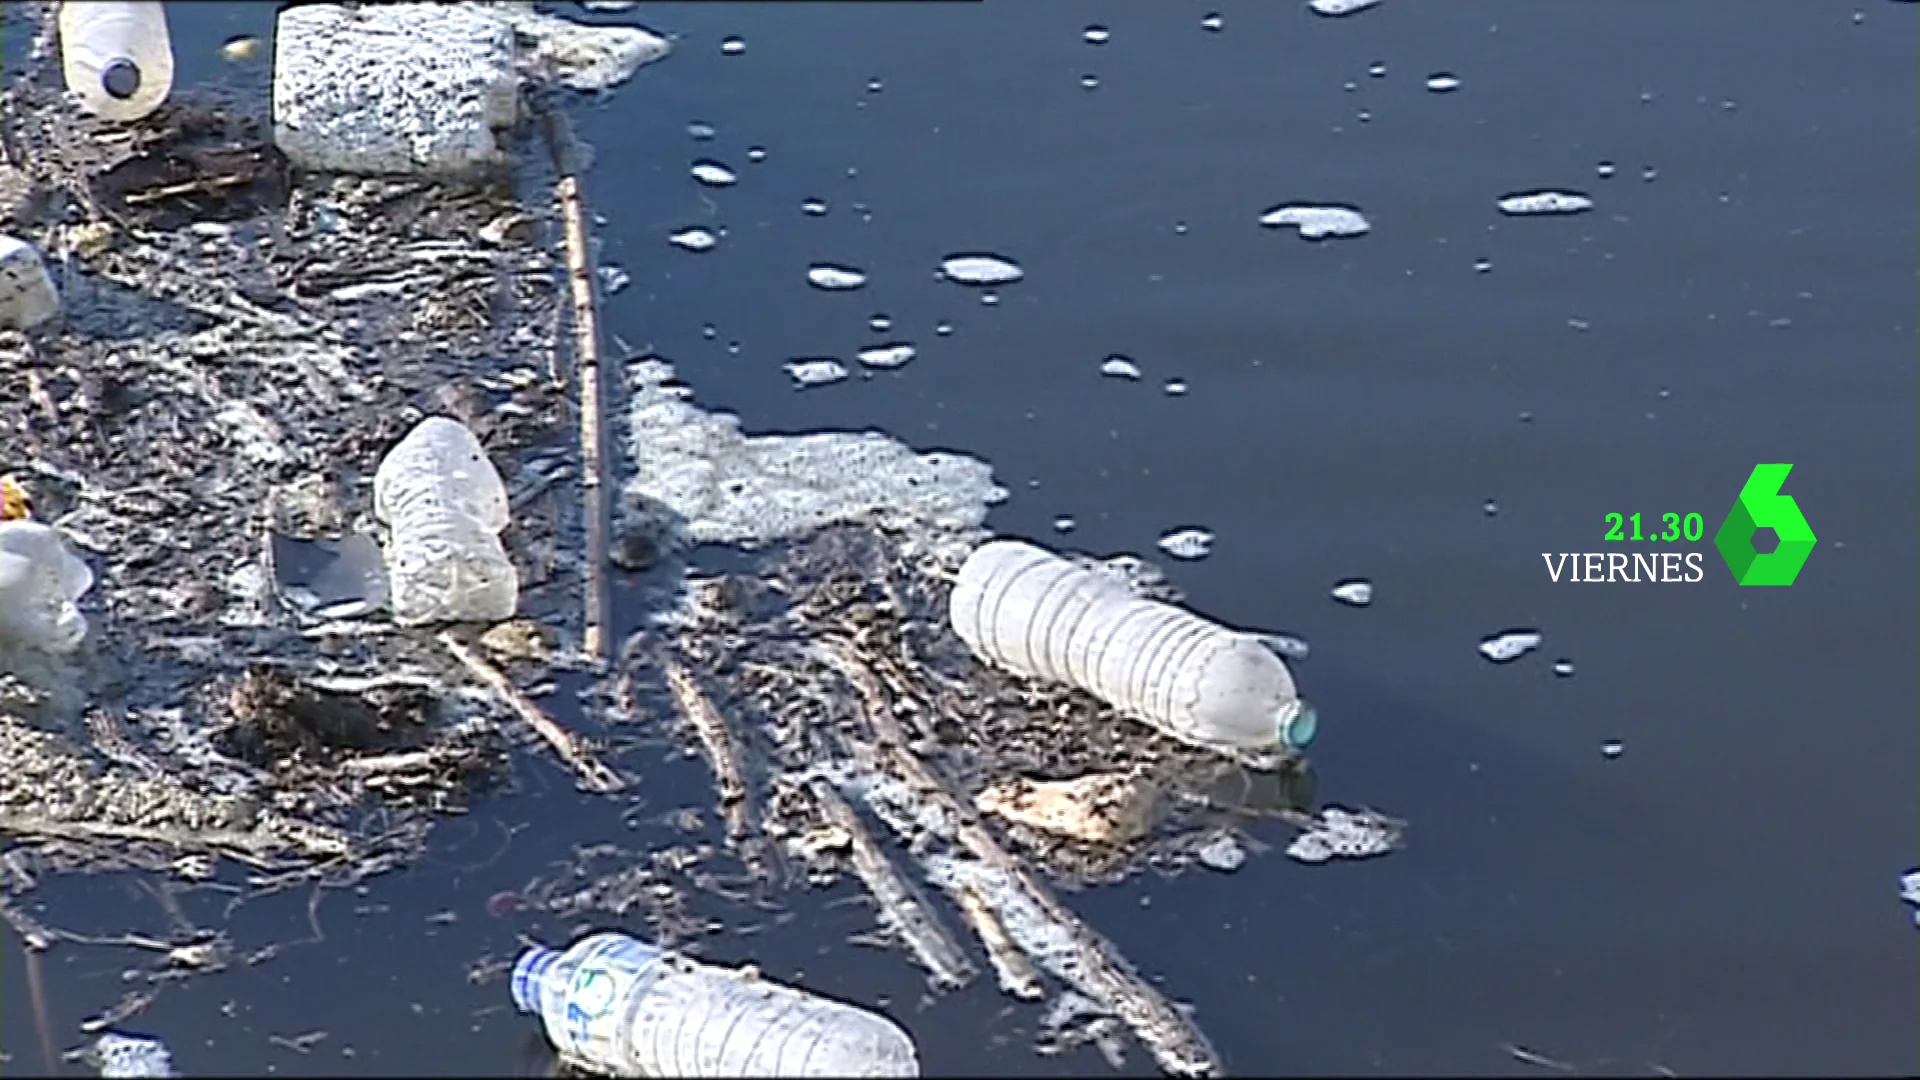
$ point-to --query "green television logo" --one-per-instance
(1761, 506)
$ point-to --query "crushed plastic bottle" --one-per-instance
(621, 1006)
(40, 582)
(1034, 612)
(117, 57)
(445, 505)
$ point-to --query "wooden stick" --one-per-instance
(728, 774)
(594, 776)
(917, 923)
(1176, 1044)
(586, 344)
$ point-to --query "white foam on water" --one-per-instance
(1337, 8)
(816, 371)
(1356, 592)
(1189, 543)
(1346, 834)
(980, 270)
(714, 174)
(695, 239)
(886, 357)
(1510, 645)
(1317, 222)
(1530, 203)
(835, 278)
(1119, 367)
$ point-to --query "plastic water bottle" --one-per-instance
(1040, 615)
(445, 506)
(117, 57)
(621, 1006)
(40, 580)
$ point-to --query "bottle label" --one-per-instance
(603, 979)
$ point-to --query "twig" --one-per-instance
(1179, 1047)
(1010, 965)
(594, 776)
(586, 342)
(901, 909)
(728, 775)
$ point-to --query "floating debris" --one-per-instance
(1175, 388)
(1187, 543)
(120, 1055)
(1356, 592)
(1910, 892)
(816, 371)
(714, 174)
(1533, 203)
(1563, 668)
(1509, 645)
(813, 207)
(1223, 853)
(613, 279)
(980, 270)
(240, 49)
(1119, 367)
(694, 239)
(756, 154)
(701, 131)
(835, 278)
(1096, 35)
(1612, 748)
(1337, 8)
(1289, 646)
(1443, 83)
(1212, 22)
(1347, 834)
(886, 357)
(1098, 808)
(1317, 222)
(732, 46)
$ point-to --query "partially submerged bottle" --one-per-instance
(1029, 610)
(117, 57)
(40, 582)
(445, 506)
(621, 1006)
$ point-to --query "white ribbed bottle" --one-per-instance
(1029, 610)
(444, 505)
(117, 57)
(621, 1006)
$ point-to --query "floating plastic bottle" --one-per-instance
(1030, 610)
(445, 505)
(117, 57)
(617, 1005)
(40, 580)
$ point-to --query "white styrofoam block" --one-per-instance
(27, 295)
(410, 88)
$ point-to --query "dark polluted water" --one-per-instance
(1667, 838)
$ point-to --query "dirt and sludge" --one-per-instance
(239, 345)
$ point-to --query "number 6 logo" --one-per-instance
(1761, 506)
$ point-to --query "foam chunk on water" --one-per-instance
(1337, 8)
(980, 270)
(1525, 203)
(1119, 367)
(1356, 592)
(1910, 892)
(1187, 543)
(1510, 645)
(721, 485)
(896, 355)
(713, 174)
(132, 1056)
(695, 239)
(816, 371)
(1346, 834)
(1317, 222)
(835, 278)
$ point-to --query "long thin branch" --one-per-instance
(594, 775)
(586, 343)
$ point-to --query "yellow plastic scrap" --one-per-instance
(14, 504)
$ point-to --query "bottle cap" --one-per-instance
(528, 973)
(1298, 725)
(120, 78)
